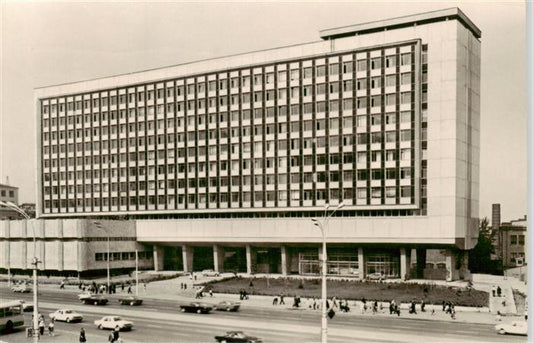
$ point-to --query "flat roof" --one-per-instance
(401, 22)
(7, 186)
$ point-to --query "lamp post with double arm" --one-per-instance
(322, 225)
(35, 262)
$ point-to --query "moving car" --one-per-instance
(112, 323)
(66, 315)
(228, 306)
(21, 288)
(237, 336)
(89, 298)
(513, 328)
(26, 307)
(209, 272)
(130, 300)
(196, 307)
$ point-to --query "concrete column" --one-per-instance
(361, 262)
(158, 258)
(7, 244)
(420, 262)
(218, 258)
(464, 272)
(451, 273)
(60, 247)
(187, 256)
(283, 260)
(248, 259)
(405, 263)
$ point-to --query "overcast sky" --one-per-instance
(52, 43)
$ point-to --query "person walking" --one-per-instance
(41, 326)
(51, 328)
(82, 336)
(281, 299)
(499, 291)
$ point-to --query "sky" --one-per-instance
(44, 43)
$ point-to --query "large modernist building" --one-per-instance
(222, 163)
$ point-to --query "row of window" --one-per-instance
(123, 256)
(234, 82)
(518, 239)
(362, 195)
(4, 193)
(347, 103)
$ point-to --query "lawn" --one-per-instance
(353, 290)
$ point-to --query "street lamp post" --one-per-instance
(99, 226)
(35, 262)
(322, 225)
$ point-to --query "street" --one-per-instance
(161, 321)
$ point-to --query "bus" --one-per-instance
(11, 315)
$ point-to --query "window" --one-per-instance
(320, 71)
(405, 98)
(390, 61)
(375, 63)
(390, 81)
(362, 65)
(405, 59)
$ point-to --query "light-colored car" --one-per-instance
(228, 306)
(66, 315)
(513, 328)
(22, 288)
(209, 272)
(113, 322)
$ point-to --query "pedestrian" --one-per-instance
(62, 285)
(423, 306)
(129, 289)
(144, 286)
(493, 290)
(184, 286)
(314, 303)
(51, 328)
(122, 286)
(499, 291)
(443, 306)
(211, 293)
(116, 334)
(41, 326)
(275, 301)
(281, 299)
(82, 336)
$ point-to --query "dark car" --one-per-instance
(237, 336)
(196, 307)
(228, 306)
(130, 300)
(96, 299)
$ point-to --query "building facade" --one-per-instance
(9, 194)
(223, 163)
(514, 242)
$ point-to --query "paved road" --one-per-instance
(160, 321)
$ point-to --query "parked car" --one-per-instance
(209, 272)
(26, 307)
(21, 288)
(89, 298)
(237, 336)
(66, 315)
(196, 307)
(130, 300)
(228, 306)
(513, 328)
(375, 276)
(112, 323)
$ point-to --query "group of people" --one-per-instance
(243, 295)
(448, 307)
(95, 288)
(496, 291)
(42, 325)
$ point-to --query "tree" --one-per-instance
(479, 258)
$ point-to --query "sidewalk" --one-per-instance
(171, 290)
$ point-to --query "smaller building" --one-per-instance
(513, 242)
(9, 194)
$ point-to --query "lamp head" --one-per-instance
(326, 207)
(339, 206)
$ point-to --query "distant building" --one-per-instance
(9, 194)
(29, 208)
(513, 242)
